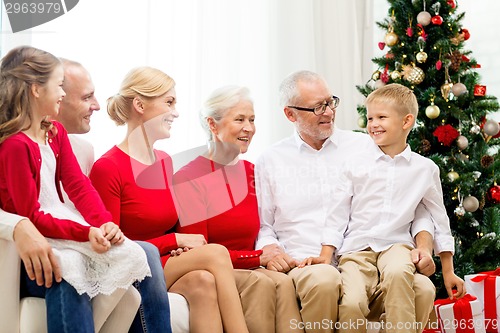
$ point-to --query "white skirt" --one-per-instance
(94, 273)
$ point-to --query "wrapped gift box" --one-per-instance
(486, 287)
(462, 315)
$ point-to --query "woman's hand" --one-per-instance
(190, 241)
(98, 242)
(178, 252)
(112, 233)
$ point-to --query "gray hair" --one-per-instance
(219, 102)
(288, 88)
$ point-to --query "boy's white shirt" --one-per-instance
(377, 199)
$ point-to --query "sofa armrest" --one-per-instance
(9, 287)
(179, 313)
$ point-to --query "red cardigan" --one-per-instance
(219, 202)
(20, 164)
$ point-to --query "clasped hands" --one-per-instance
(187, 242)
(102, 238)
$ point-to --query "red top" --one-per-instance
(219, 202)
(138, 196)
(20, 164)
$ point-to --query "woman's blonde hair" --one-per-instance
(22, 67)
(145, 82)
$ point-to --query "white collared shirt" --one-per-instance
(294, 186)
(376, 200)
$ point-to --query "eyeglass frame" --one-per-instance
(322, 106)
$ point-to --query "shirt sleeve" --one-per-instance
(422, 222)
(8, 223)
(106, 178)
(264, 192)
(339, 212)
(433, 201)
(22, 174)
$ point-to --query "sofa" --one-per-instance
(28, 314)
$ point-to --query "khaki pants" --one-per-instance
(317, 288)
(376, 281)
(268, 300)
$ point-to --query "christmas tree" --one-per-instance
(424, 43)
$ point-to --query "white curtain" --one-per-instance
(204, 44)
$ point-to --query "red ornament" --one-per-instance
(409, 32)
(439, 64)
(451, 3)
(494, 193)
(479, 90)
(437, 20)
(446, 134)
(381, 45)
(466, 33)
(465, 58)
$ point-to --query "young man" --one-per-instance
(295, 179)
(370, 218)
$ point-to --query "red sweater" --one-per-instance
(138, 196)
(219, 202)
(20, 164)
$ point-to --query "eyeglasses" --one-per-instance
(320, 109)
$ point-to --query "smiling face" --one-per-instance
(236, 126)
(387, 127)
(80, 102)
(313, 129)
(51, 94)
(159, 114)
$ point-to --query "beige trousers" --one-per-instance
(268, 300)
(378, 282)
(317, 288)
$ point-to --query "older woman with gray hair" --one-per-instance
(216, 198)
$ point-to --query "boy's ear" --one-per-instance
(408, 121)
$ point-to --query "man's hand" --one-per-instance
(269, 252)
(423, 262)
(36, 253)
(422, 255)
(282, 263)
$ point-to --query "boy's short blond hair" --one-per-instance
(401, 98)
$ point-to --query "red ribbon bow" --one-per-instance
(490, 292)
(461, 310)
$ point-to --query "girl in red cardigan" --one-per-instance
(35, 158)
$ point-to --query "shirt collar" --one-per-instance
(379, 154)
(333, 139)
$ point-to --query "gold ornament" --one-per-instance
(395, 75)
(432, 111)
(376, 75)
(445, 90)
(391, 39)
(362, 122)
(453, 175)
(413, 74)
(491, 127)
(421, 57)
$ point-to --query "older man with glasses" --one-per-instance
(294, 183)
